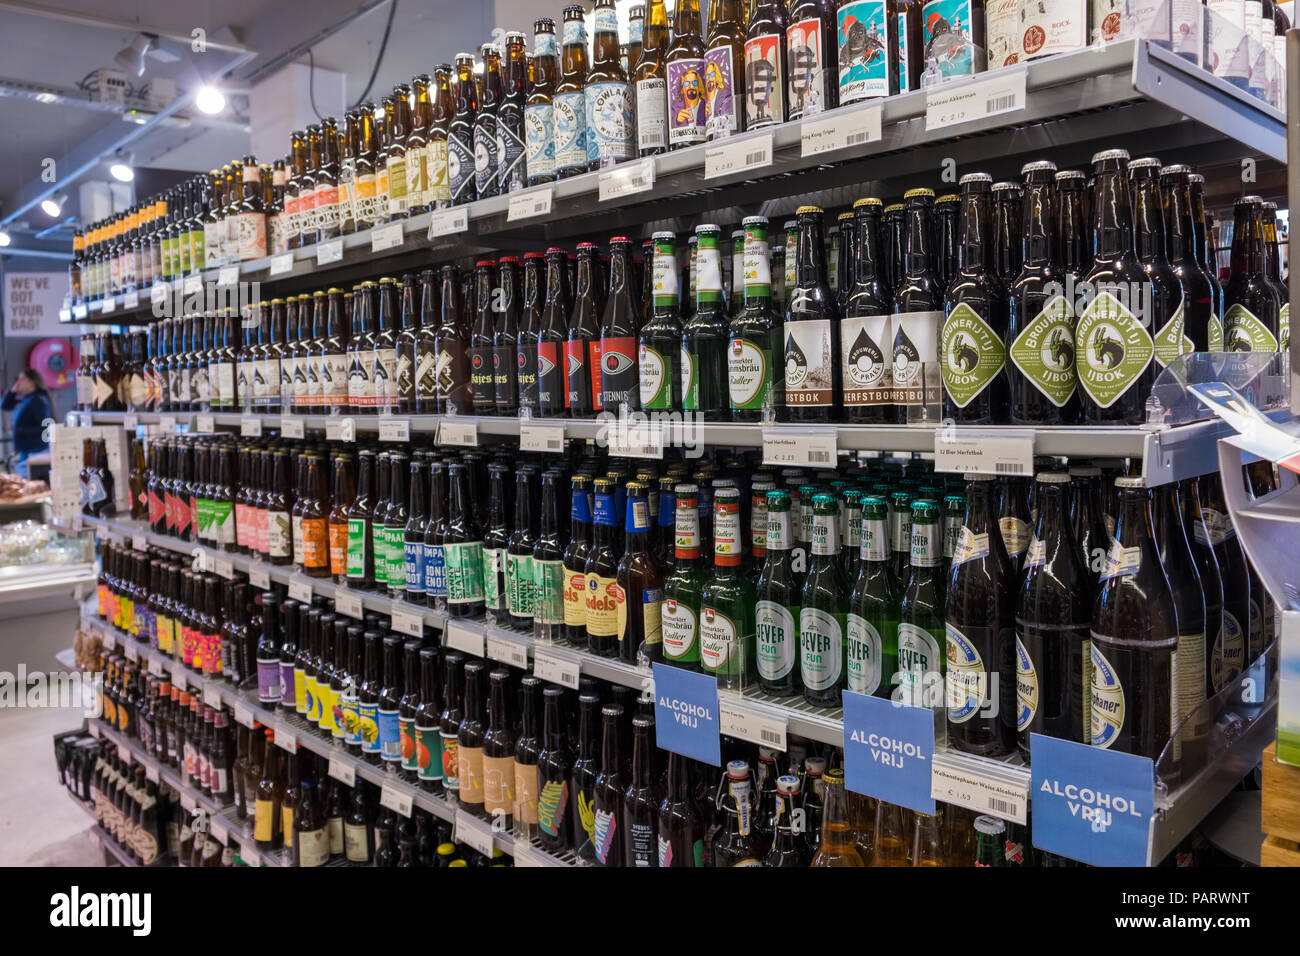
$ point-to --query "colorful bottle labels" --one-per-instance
(949, 44)
(808, 371)
(1114, 349)
(972, 355)
(807, 63)
(570, 120)
(764, 84)
(463, 569)
(652, 113)
(749, 374)
(609, 122)
(686, 105)
(863, 50)
(721, 117)
(1044, 351)
(428, 752)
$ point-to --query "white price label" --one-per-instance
(243, 715)
(447, 222)
(331, 251)
(952, 103)
(109, 304)
(347, 602)
(636, 439)
(286, 739)
(507, 652)
(156, 667)
(966, 450)
(464, 434)
(167, 424)
(178, 677)
(282, 263)
(79, 312)
(797, 448)
(474, 833)
(412, 625)
(192, 284)
(151, 772)
(340, 429)
(94, 731)
(529, 203)
(745, 723)
(300, 590)
(291, 427)
(395, 799)
(211, 696)
(139, 542)
(110, 642)
(205, 423)
(461, 637)
(556, 669)
(131, 300)
(343, 770)
(627, 179)
(835, 131)
(131, 653)
(385, 237)
(259, 578)
(979, 793)
(394, 429)
(130, 422)
(527, 855)
(737, 156)
(250, 426)
(250, 853)
(225, 569)
(188, 802)
(541, 438)
(229, 275)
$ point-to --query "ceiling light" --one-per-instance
(52, 206)
(4, 238)
(121, 170)
(209, 99)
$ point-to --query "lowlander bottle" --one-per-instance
(611, 131)
(539, 115)
(570, 111)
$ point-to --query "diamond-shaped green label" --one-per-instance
(1114, 349)
(1243, 331)
(970, 353)
(1215, 333)
(1044, 351)
(1169, 340)
(1284, 328)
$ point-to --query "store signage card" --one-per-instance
(889, 750)
(1091, 804)
(686, 713)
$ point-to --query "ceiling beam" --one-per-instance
(113, 23)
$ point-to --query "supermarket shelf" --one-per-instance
(110, 845)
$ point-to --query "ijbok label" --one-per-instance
(1044, 353)
(972, 355)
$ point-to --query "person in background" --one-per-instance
(30, 402)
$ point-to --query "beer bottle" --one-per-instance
(548, 566)
(308, 223)
(554, 766)
(582, 349)
(921, 612)
(1234, 654)
(383, 373)
(810, 42)
(756, 393)
(639, 806)
(837, 843)
(406, 341)
(469, 742)
(337, 521)
(608, 820)
(361, 351)
(947, 215)
(649, 79)
(1198, 294)
(823, 610)
(334, 371)
(779, 595)
(600, 570)
(512, 172)
(390, 525)
(267, 816)
(526, 790)
(412, 535)
(812, 329)
(683, 587)
(326, 182)
(552, 340)
(1272, 273)
(482, 389)
(390, 694)
(461, 165)
(1206, 256)
(499, 754)
(680, 832)
(576, 553)
(426, 743)
(871, 652)
(585, 770)
(505, 337)
(519, 582)
(900, 533)
(918, 313)
(865, 328)
(1152, 252)
(619, 332)
(765, 65)
(360, 568)
(727, 601)
(435, 532)
(704, 335)
(660, 341)
(367, 208)
(1207, 566)
(417, 137)
(1040, 325)
(972, 347)
(724, 70)
(530, 325)
(1007, 228)
(990, 841)
(1015, 520)
(610, 130)
(449, 724)
(1115, 345)
(1073, 249)
(437, 146)
(1251, 322)
(1090, 534)
(572, 150)
(540, 113)
(451, 344)
(462, 549)
(1134, 642)
(486, 161)
(685, 69)
(736, 843)
(640, 584)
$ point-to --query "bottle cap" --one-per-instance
(868, 201)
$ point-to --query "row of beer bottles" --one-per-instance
(141, 815)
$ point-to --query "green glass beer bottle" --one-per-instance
(871, 656)
(727, 601)
(823, 609)
(778, 603)
(900, 532)
(704, 336)
(659, 347)
(921, 613)
(756, 386)
(681, 611)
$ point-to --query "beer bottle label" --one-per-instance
(539, 124)
(485, 153)
(1216, 527)
(414, 567)
(519, 585)
(396, 542)
(338, 544)
(967, 681)
(525, 793)
(655, 378)
(428, 752)
(503, 377)
(643, 849)
(494, 571)
(972, 355)
(915, 355)
(765, 93)
(313, 847)
(460, 164)
(775, 627)
(334, 378)
(749, 374)
(720, 651)
(1015, 537)
(436, 162)
(1037, 554)
(368, 726)
(1116, 349)
(686, 117)
(863, 50)
(570, 118)
(357, 548)
(1027, 687)
(526, 359)
(720, 116)
(603, 834)
(1121, 561)
(1243, 331)
(652, 113)
(1284, 328)
(498, 776)
(315, 543)
(1191, 673)
(269, 690)
(356, 842)
(552, 387)
(450, 761)
(463, 570)
(552, 805)
(548, 592)
(863, 655)
(262, 823)
(416, 176)
(947, 26)
(618, 372)
(575, 598)
(1002, 33)
(807, 62)
(1107, 697)
(1229, 655)
(821, 639)
(435, 580)
(918, 657)
(808, 373)
(602, 606)
(471, 775)
(864, 365)
(1059, 26)
(609, 122)
(1169, 340)
(1044, 354)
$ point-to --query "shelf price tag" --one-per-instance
(282, 263)
(889, 750)
(627, 179)
(139, 542)
(156, 667)
(979, 792)
(412, 625)
(131, 653)
(340, 429)
(250, 426)
(131, 300)
(541, 438)
(229, 275)
(220, 832)
(211, 696)
(1092, 804)
(347, 602)
(971, 450)
(462, 638)
(343, 770)
(394, 429)
(327, 252)
(191, 284)
(249, 852)
(556, 669)
(507, 652)
(205, 423)
(167, 424)
(530, 203)
(396, 800)
(799, 447)
(109, 304)
(243, 715)
(686, 713)
(385, 237)
(737, 720)
(259, 578)
(737, 156)
(291, 427)
(188, 802)
(474, 833)
(447, 222)
(151, 771)
(950, 104)
(526, 855)
(130, 422)
(300, 590)
(839, 131)
(225, 569)
(464, 434)
(79, 312)
(286, 739)
(633, 439)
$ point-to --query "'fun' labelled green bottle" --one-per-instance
(778, 604)
(871, 659)
(727, 646)
(921, 634)
(823, 609)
